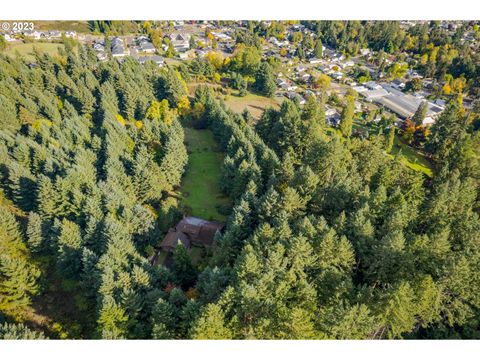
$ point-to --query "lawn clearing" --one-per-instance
(26, 50)
(412, 158)
(200, 190)
(256, 104)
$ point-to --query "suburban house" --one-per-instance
(118, 49)
(180, 41)
(293, 95)
(191, 231)
(147, 47)
(160, 61)
(306, 77)
(70, 34)
(9, 38)
(53, 34)
(332, 116)
(99, 46)
(37, 35)
(285, 85)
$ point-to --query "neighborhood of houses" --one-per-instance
(296, 78)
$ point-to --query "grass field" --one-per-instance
(412, 158)
(200, 190)
(64, 25)
(256, 104)
(26, 50)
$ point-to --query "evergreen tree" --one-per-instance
(69, 242)
(211, 325)
(318, 50)
(346, 120)
(19, 332)
(172, 87)
(18, 276)
(390, 139)
(183, 270)
(35, 233)
(265, 80)
(420, 113)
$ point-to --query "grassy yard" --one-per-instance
(26, 50)
(256, 104)
(200, 190)
(412, 158)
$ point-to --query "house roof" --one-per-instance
(155, 58)
(195, 230)
(145, 45)
(406, 105)
(180, 37)
(117, 41)
(173, 238)
(118, 49)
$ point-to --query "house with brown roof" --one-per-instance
(173, 238)
(191, 231)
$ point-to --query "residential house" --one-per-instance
(220, 36)
(286, 85)
(337, 75)
(8, 37)
(332, 116)
(37, 35)
(53, 34)
(117, 41)
(99, 46)
(301, 68)
(142, 38)
(306, 77)
(147, 47)
(118, 48)
(191, 231)
(70, 34)
(180, 41)
(293, 95)
(348, 63)
(160, 61)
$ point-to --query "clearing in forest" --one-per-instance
(200, 190)
(254, 103)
